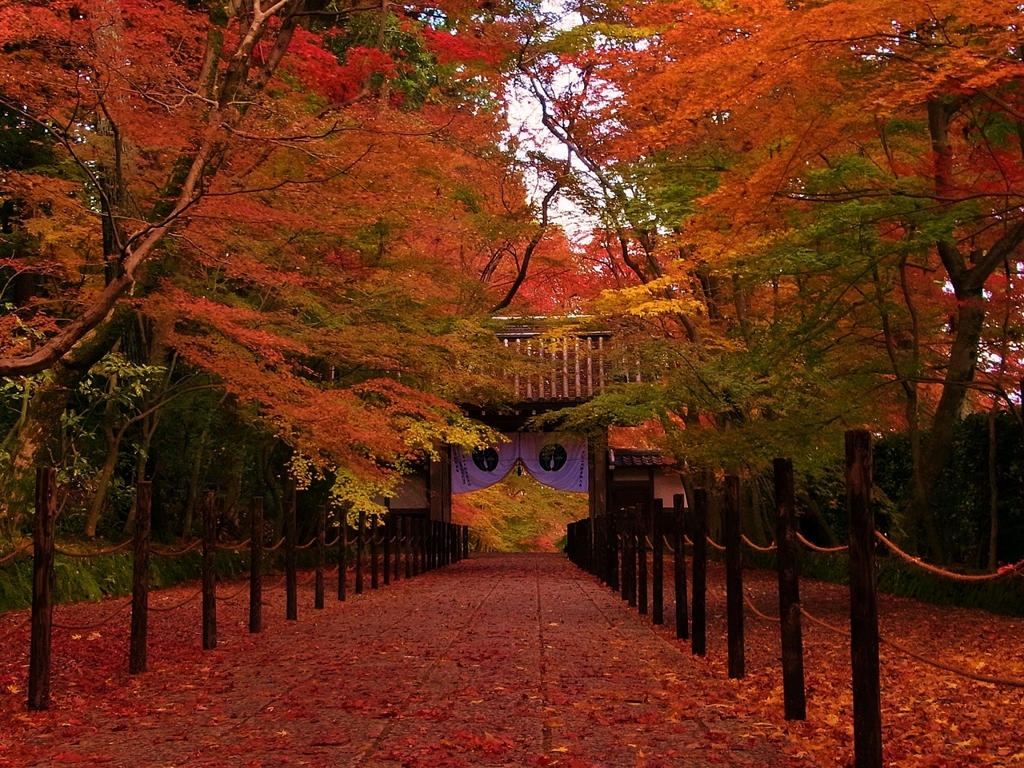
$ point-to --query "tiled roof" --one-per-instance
(629, 457)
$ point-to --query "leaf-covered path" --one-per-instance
(497, 660)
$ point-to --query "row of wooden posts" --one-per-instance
(614, 548)
(419, 544)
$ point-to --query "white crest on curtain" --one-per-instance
(558, 461)
(482, 468)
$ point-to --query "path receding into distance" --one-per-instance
(499, 660)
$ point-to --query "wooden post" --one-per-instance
(679, 566)
(360, 541)
(291, 561)
(374, 535)
(321, 555)
(867, 694)
(623, 519)
(256, 564)
(465, 542)
(698, 639)
(42, 591)
(407, 546)
(387, 549)
(442, 544)
(643, 526)
(140, 578)
(432, 546)
(438, 544)
(396, 530)
(424, 552)
(733, 575)
(789, 594)
(343, 554)
(612, 534)
(428, 545)
(413, 524)
(425, 524)
(658, 563)
(209, 572)
(633, 557)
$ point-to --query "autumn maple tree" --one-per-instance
(308, 201)
(816, 205)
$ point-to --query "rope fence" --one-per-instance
(95, 625)
(963, 577)
(431, 544)
(824, 550)
(715, 544)
(959, 671)
(21, 547)
(770, 548)
(15, 629)
(765, 617)
(233, 595)
(176, 606)
(176, 552)
(615, 548)
(96, 553)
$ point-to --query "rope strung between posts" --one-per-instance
(276, 546)
(1013, 683)
(176, 552)
(25, 544)
(331, 543)
(307, 545)
(236, 547)
(816, 548)
(814, 619)
(752, 545)
(233, 595)
(962, 672)
(96, 625)
(715, 544)
(97, 553)
(1004, 571)
(176, 606)
(764, 616)
(12, 630)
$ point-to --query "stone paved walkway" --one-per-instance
(499, 660)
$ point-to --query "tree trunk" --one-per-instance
(37, 441)
(193, 481)
(963, 358)
(993, 492)
(113, 445)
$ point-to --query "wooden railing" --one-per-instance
(570, 368)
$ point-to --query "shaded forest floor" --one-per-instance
(499, 660)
